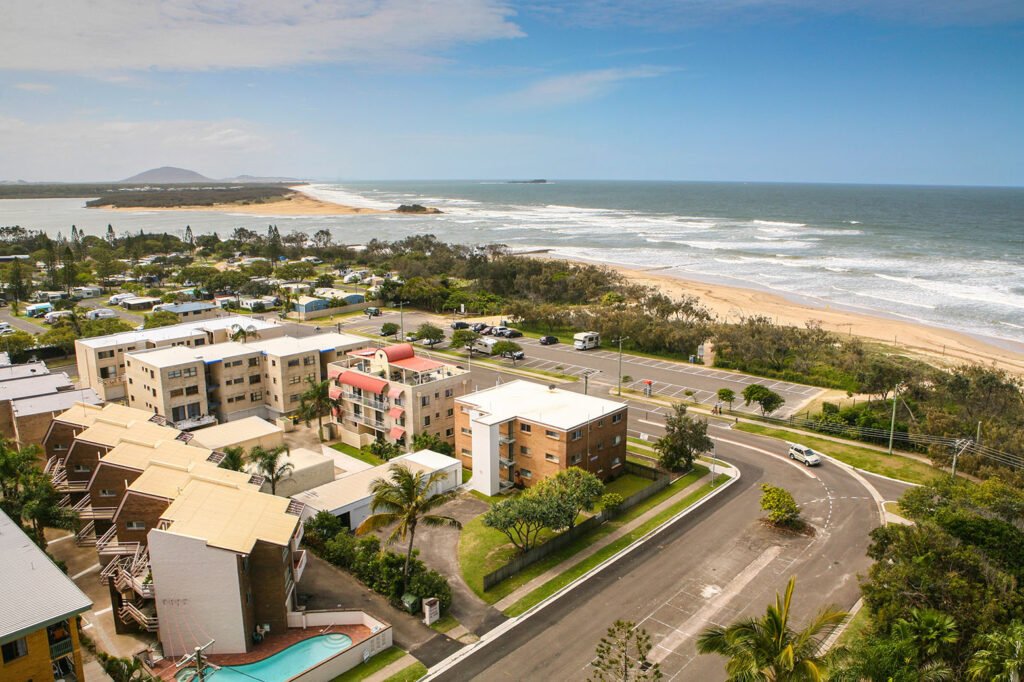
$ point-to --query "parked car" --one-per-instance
(514, 354)
(485, 330)
(548, 340)
(431, 342)
(460, 325)
(478, 326)
(802, 453)
(410, 338)
(512, 334)
(498, 331)
(383, 333)
(373, 312)
(6, 328)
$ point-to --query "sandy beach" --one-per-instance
(938, 345)
(296, 204)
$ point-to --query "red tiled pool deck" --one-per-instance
(271, 644)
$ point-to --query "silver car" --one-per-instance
(802, 453)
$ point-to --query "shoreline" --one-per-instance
(937, 345)
(297, 204)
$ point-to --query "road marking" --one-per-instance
(800, 467)
(94, 567)
(716, 602)
(644, 421)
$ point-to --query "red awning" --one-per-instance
(395, 392)
(396, 412)
(334, 371)
(396, 432)
(334, 392)
(399, 351)
(361, 381)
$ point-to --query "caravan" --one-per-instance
(586, 340)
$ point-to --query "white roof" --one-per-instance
(43, 384)
(538, 403)
(34, 592)
(28, 369)
(234, 432)
(289, 345)
(54, 402)
(176, 331)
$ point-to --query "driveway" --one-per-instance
(439, 549)
(327, 587)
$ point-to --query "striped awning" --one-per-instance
(396, 432)
(361, 381)
(396, 412)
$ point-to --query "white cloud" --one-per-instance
(187, 35)
(109, 150)
(576, 87)
(34, 87)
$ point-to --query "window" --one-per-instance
(177, 392)
(177, 413)
(254, 379)
(577, 434)
(451, 412)
(466, 451)
(448, 433)
(253, 362)
(526, 473)
(295, 380)
(107, 492)
(236, 363)
(525, 428)
(309, 360)
(577, 458)
(600, 445)
(256, 396)
(617, 461)
(188, 372)
(551, 434)
(600, 423)
(551, 457)
(424, 400)
(293, 398)
(81, 469)
(293, 363)
(135, 525)
(174, 374)
(426, 420)
(60, 446)
(236, 380)
(466, 431)
(14, 650)
(200, 342)
(108, 373)
(449, 392)
(616, 440)
(523, 450)
(192, 390)
(616, 418)
(104, 354)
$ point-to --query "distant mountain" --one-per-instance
(167, 175)
(259, 179)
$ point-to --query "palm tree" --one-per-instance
(314, 402)
(1000, 655)
(242, 334)
(234, 458)
(406, 501)
(767, 649)
(928, 635)
(268, 463)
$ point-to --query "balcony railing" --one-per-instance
(507, 462)
(369, 421)
(195, 422)
(61, 648)
(87, 511)
(300, 563)
(369, 402)
(506, 439)
(131, 612)
(108, 544)
(110, 381)
(86, 536)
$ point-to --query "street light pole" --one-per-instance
(892, 424)
(401, 317)
(620, 340)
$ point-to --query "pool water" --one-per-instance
(283, 665)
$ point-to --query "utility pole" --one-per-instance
(960, 447)
(586, 379)
(196, 658)
(892, 425)
(977, 438)
(619, 341)
(401, 317)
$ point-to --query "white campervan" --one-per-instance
(586, 340)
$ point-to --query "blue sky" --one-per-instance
(896, 91)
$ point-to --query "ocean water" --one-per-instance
(946, 256)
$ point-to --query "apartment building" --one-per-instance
(29, 397)
(394, 394)
(39, 604)
(195, 387)
(101, 360)
(520, 433)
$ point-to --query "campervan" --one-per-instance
(586, 340)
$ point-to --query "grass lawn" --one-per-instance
(446, 623)
(856, 626)
(627, 485)
(895, 466)
(483, 549)
(378, 662)
(467, 475)
(410, 674)
(357, 453)
(557, 583)
(640, 442)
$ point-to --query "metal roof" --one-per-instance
(34, 593)
(537, 403)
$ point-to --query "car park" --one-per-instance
(548, 340)
(802, 453)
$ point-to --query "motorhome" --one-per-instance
(485, 345)
(586, 340)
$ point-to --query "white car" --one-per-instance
(802, 453)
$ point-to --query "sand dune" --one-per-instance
(296, 204)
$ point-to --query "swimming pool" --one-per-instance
(281, 666)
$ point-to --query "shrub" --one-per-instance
(612, 503)
(430, 583)
(321, 528)
(781, 507)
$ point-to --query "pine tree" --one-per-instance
(622, 655)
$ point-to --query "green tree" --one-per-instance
(241, 334)
(268, 463)
(577, 489)
(684, 439)
(315, 402)
(999, 656)
(522, 517)
(621, 655)
(17, 343)
(430, 332)
(103, 327)
(507, 349)
(60, 336)
(19, 286)
(727, 395)
(767, 399)
(767, 649)
(929, 636)
(389, 329)
(161, 318)
(383, 449)
(41, 508)
(296, 271)
(405, 500)
(464, 338)
(234, 458)
(781, 507)
(432, 441)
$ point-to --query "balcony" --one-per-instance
(144, 616)
(87, 511)
(108, 544)
(507, 462)
(372, 422)
(86, 535)
(505, 486)
(364, 400)
(61, 649)
(506, 439)
(110, 381)
(301, 560)
(194, 422)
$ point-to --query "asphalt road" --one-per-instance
(711, 567)
(672, 379)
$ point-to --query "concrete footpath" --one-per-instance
(557, 570)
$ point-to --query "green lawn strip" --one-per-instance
(357, 453)
(640, 442)
(410, 674)
(446, 623)
(557, 583)
(894, 466)
(627, 484)
(467, 475)
(489, 499)
(378, 662)
(483, 549)
(855, 627)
